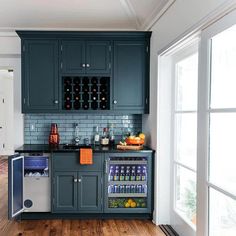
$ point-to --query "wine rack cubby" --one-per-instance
(86, 93)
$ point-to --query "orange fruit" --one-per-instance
(133, 204)
(142, 135)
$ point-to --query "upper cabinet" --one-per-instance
(85, 72)
(85, 57)
(40, 75)
(129, 75)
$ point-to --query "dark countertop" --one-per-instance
(27, 148)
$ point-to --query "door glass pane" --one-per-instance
(185, 195)
(222, 215)
(223, 150)
(186, 83)
(223, 69)
(186, 139)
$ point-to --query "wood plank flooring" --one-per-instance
(68, 227)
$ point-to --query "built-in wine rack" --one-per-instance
(86, 93)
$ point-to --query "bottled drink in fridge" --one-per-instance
(117, 174)
(144, 173)
(138, 174)
(111, 173)
(133, 174)
(122, 173)
(127, 173)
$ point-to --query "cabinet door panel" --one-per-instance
(73, 56)
(89, 192)
(129, 75)
(40, 75)
(65, 192)
(97, 57)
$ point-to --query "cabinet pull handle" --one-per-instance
(75, 180)
(106, 166)
(87, 65)
(56, 101)
(115, 102)
(79, 180)
(83, 65)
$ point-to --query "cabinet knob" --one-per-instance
(83, 65)
(75, 180)
(115, 102)
(56, 101)
(87, 65)
(80, 180)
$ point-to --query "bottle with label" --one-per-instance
(96, 137)
(117, 173)
(138, 174)
(105, 137)
(144, 173)
(122, 173)
(111, 173)
(111, 135)
(127, 173)
(133, 174)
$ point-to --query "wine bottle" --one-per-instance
(94, 81)
(76, 105)
(85, 97)
(94, 105)
(85, 105)
(68, 105)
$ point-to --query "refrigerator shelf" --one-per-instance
(127, 182)
(127, 195)
(128, 162)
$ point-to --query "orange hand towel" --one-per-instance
(86, 156)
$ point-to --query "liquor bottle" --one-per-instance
(127, 173)
(138, 174)
(94, 96)
(76, 97)
(111, 135)
(117, 174)
(68, 105)
(133, 174)
(76, 88)
(54, 137)
(144, 173)
(103, 97)
(85, 88)
(96, 137)
(105, 137)
(122, 173)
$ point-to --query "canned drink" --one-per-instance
(132, 188)
(127, 188)
(139, 188)
(122, 188)
(116, 189)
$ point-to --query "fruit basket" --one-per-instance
(134, 141)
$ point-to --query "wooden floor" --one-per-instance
(68, 227)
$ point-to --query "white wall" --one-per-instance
(10, 59)
(182, 16)
(6, 89)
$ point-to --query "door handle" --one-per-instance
(75, 180)
(80, 180)
(115, 102)
(56, 102)
(87, 65)
(83, 65)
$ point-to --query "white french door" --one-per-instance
(184, 142)
(2, 123)
(217, 130)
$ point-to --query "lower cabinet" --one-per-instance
(77, 192)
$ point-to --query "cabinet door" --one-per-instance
(129, 76)
(98, 57)
(90, 192)
(73, 56)
(65, 189)
(40, 75)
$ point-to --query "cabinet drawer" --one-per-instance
(71, 161)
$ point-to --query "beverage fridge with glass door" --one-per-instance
(128, 183)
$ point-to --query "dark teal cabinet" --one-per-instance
(72, 56)
(90, 192)
(85, 57)
(65, 191)
(129, 82)
(75, 187)
(49, 57)
(40, 75)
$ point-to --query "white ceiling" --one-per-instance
(81, 14)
